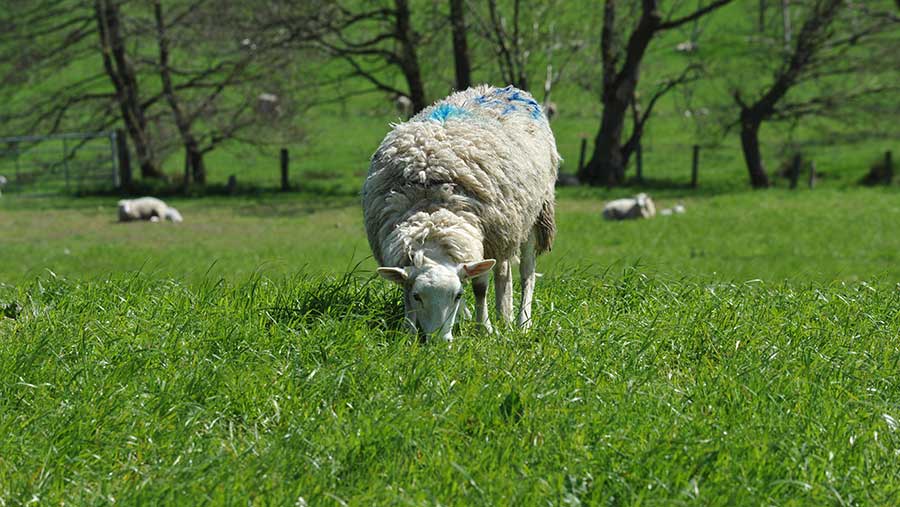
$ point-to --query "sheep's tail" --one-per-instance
(545, 228)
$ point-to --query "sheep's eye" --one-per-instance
(417, 297)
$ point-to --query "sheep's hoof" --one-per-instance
(487, 327)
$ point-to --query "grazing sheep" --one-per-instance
(465, 186)
(147, 208)
(687, 46)
(639, 206)
(3, 182)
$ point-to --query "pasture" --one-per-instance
(746, 352)
(742, 353)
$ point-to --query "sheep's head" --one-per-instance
(432, 293)
(646, 205)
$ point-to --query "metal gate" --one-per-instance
(59, 163)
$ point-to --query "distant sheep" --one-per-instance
(3, 182)
(147, 208)
(465, 186)
(639, 206)
(404, 106)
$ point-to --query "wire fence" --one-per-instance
(59, 163)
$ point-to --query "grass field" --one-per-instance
(745, 352)
(631, 389)
(802, 236)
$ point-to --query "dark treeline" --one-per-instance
(191, 75)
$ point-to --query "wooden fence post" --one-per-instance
(285, 160)
(581, 154)
(695, 165)
(795, 170)
(124, 159)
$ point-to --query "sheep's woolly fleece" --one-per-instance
(472, 174)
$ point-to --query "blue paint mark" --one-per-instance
(509, 100)
(443, 112)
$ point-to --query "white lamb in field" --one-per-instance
(639, 206)
(147, 208)
(464, 186)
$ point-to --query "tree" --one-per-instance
(372, 40)
(461, 59)
(212, 95)
(45, 39)
(621, 66)
(823, 65)
(124, 79)
(94, 67)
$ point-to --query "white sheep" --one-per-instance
(147, 208)
(465, 186)
(404, 106)
(639, 206)
(3, 182)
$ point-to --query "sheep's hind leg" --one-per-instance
(503, 289)
(480, 287)
(528, 256)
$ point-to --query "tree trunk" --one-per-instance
(750, 123)
(409, 61)
(193, 156)
(608, 160)
(460, 45)
(124, 80)
(607, 165)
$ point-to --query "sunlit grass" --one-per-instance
(630, 389)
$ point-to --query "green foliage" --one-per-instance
(630, 389)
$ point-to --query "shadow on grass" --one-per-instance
(165, 189)
(351, 296)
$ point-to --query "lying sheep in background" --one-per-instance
(639, 206)
(147, 208)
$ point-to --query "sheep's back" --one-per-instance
(486, 154)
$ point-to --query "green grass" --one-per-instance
(631, 389)
(802, 236)
(743, 353)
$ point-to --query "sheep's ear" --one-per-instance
(396, 275)
(473, 269)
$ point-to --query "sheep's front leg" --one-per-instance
(503, 288)
(526, 271)
(480, 287)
